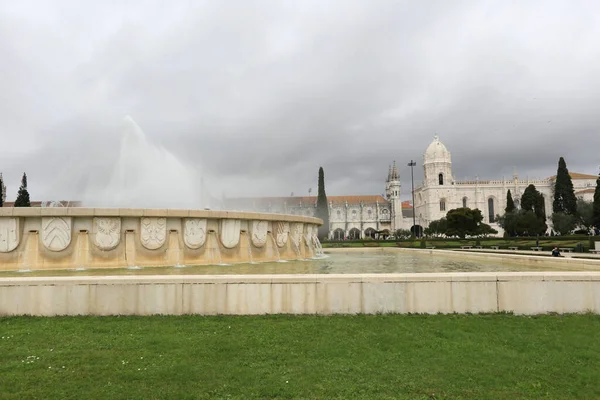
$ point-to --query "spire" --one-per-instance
(395, 174)
(389, 178)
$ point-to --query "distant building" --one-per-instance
(351, 217)
(441, 192)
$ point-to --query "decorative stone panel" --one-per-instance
(107, 232)
(194, 233)
(153, 232)
(230, 232)
(56, 232)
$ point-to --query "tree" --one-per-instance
(484, 230)
(510, 204)
(508, 222)
(463, 221)
(1, 191)
(23, 194)
(585, 214)
(437, 227)
(564, 195)
(563, 223)
(596, 212)
(532, 200)
(322, 210)
(530, 224)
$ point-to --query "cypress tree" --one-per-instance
(564, 195)
(510, 204)
(23, 194)
(322, 206)
(529, 198)
(1, 191)
(596, 212)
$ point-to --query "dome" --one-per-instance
(436, 152)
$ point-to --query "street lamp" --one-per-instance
(411, 164)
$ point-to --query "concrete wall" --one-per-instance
(519, 292)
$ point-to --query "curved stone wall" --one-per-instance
(59, 238)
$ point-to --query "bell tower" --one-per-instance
(392, 192)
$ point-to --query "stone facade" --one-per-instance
(350, 217)
(440, 191)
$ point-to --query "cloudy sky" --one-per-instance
(256, 95)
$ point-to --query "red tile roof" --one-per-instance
(577, 175)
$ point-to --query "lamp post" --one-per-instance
(411, 164)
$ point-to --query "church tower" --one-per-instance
(392, 193)
(437, 165)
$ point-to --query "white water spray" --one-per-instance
(146, 175)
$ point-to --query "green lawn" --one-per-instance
(347, 357)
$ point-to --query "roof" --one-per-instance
(304, 200)
(577, 175)
(436, 151)
(311, 200)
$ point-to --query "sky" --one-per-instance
(254, 96)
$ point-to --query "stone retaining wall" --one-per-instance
(519, 292)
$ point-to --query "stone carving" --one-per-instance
(230, 232)
(308, 233)
(194, 233)
(153, 232)
(107, 232)
(9, 234)
(296, 233)
(259, 233)
(282, 230)
(56, 232)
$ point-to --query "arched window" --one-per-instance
(465, 202)
(491, 209)
(339, 214)
(443, 205)
(370, 232)
(354, 234)
(369, 213)
(441, 178)
(354, 214)
(338, 234)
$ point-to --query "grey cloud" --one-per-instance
(256, 95)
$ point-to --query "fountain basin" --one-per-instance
(65, 238)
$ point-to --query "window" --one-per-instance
(443, 205)
(491, 210)
(353, 214)
(441, 178)
(369, 213)
(338, 234)
(465, 202)
(339, 214)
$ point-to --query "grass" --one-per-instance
(496, 356)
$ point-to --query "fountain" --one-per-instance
(146, 175)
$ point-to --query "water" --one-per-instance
(146, 175)
(318, 248)
(275, 246)
(354, 262)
